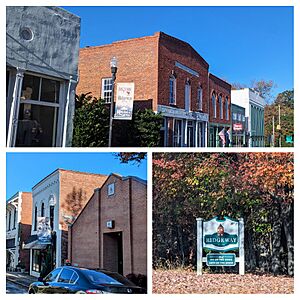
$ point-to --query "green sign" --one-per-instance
(220, 240)
(289, 139)
(218, 259)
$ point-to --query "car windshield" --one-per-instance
(106, 278)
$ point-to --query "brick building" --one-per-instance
(111, 230)
(18, 228)
(169, 73)
(60, 196)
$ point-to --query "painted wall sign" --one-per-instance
(220, 235)
(124, 101)
(219, 259)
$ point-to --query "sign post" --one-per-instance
(220, 236)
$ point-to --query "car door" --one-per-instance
(47, 286)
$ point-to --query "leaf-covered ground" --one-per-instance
(187, 282)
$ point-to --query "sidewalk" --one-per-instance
(22, 279)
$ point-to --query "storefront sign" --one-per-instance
(237, 127)
(44, 230)
(221, 235)
(289, 139)
(124, 102)
(218, 260)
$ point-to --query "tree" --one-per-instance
(126, 157)
(264, 88)
(286, 102)
(255, 186)
(91, 125)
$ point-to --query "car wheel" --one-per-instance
(31, 291)
(80, 292)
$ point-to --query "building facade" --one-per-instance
(165, 70)
(254, 110)
(220, 110)
(18, 228)
(239, 126)
(58, 197)
(42, 46)
(111, 230)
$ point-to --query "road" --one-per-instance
(12, 288)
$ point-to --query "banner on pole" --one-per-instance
(124, 101)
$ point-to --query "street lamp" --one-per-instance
(114, 68)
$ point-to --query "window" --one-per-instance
(36, 260)
(239, 117)
(172, 90)
(65, 276)
(221, 106)
(43, 210)
(226, 109)
(9, 220)
(15, 218)
(52, 276)
(74, 278)
(106, 89)
(52, 217)
(110, 189)
(199, 98)
(234, 116)
(214, 105)
(35, 218)
(187, 95)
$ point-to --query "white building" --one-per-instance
(55, 197)
(18, 225)
(254, 110)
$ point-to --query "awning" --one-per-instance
(35, 245)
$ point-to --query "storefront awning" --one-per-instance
(35, 245)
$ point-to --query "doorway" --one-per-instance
(113, 252)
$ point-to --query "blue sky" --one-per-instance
(240, 44)
(24, 170)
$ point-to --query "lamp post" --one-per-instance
(114, 68)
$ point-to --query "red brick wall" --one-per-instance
(84, 238)
(219, 87)
(170, 51)
(137, 62)
(70, 180)
(26, 208)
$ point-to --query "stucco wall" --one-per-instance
(54, 47)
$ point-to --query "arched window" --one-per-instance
(172, 89)
(226, 108)
(43, 210)
(187, 95)
(35, 218)
(199, 98)
(221, 106)
(214, 105)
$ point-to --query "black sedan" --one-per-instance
(71, 280)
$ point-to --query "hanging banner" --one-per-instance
(43, 230)
(220, 235)
(124, 101)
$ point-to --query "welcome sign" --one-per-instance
(220, 234)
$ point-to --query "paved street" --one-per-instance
(12, 288)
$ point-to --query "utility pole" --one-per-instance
(273, 137)
(279, 125)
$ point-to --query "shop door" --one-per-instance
(113, 252)
(190, 134)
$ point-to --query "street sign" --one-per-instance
(220, 259)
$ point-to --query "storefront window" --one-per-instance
(190, 134)
(36, 260)
(177, 133)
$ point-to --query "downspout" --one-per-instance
(67, 111)
(208, 110)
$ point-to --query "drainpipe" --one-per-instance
(207, 125)
(71, 81)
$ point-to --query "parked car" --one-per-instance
(73, 280)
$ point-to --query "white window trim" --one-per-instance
(109, 191)
(102, 89)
